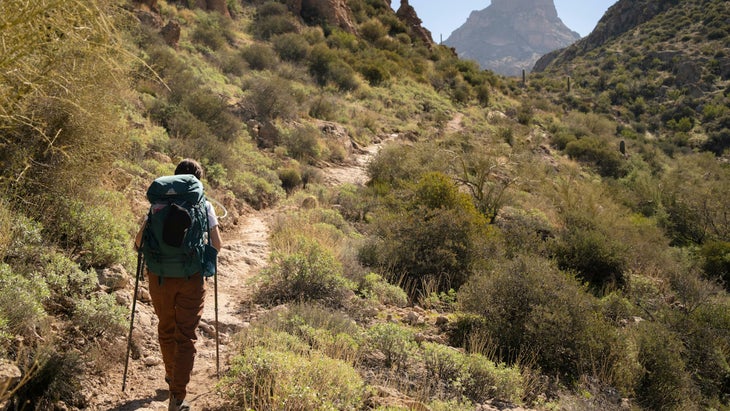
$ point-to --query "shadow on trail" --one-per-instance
(160, 395)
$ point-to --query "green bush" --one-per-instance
(21, 302)
(304, 144)
(95, 233)
(309, 274)
(212, 30)
(260, 191)
(375, 287)
(324, 108)
(593, 255)
(716, 256)
(291, 47)
(290, 178)
(273, 98)
(278, 381)
(100, 315)
(592, 150)
(260, 57)
(394, 342)
(664, 384)
(273, 19)
(435, 242)
(530, 307)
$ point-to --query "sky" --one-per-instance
(443, 17)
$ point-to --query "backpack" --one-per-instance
(175, 237)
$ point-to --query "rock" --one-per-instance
(442, 321)
(408, 15)
(511, 35)
(171, 33)
(413, 319)
(144, 295)
(9, 373)
(114, 277)
(123, 298)
(335, 12)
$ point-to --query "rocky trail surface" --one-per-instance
(244, 253)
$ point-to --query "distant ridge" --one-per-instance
(511, 35)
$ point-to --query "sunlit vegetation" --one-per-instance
(560, 246)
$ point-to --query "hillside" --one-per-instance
(404, 231)
(660, 67)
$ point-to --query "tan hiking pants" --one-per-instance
(178, 303)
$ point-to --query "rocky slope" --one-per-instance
(511, 35)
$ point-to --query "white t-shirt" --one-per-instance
(212, 218)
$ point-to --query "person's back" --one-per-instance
(176, 283)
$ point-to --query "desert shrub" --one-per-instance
(279, 380)
(260, 191)
(437, 240)
(323, 108)
(592, 150)
(375, 287)
(396, 343)
(212, 30)
(664, 384)
(329, 332)
(489, 380)
(470, 375)
(374, 74)
(291, 47)
(272, 98)
(373, 30)
(354, 203)
(56, 379)
(100, 315)
(58, 131)
(290, 178)
(534, 309)
(260, 57)
(309, 274)
(444, 365)
(21, 302)
(325, 66)
(716, 256)
(304, 144)
(211, 109)
(97, 235)
(273, 18)
(597, 258)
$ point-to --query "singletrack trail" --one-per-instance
(245, 252)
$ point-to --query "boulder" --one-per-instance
(114, 277)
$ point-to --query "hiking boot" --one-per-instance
(178, 405)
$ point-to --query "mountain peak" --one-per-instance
(511, 35)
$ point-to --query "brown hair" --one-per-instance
(190, 166)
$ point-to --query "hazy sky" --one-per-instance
(443, 17)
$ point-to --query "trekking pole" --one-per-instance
(140, 267)
(217, 339)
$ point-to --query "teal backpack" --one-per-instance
(174, 242)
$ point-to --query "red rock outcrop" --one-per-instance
(408, 15)
(335, 12)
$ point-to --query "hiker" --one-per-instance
(178, 297)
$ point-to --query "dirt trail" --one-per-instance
(245, 252)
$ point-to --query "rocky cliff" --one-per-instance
(619, 19)
(511, 35)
